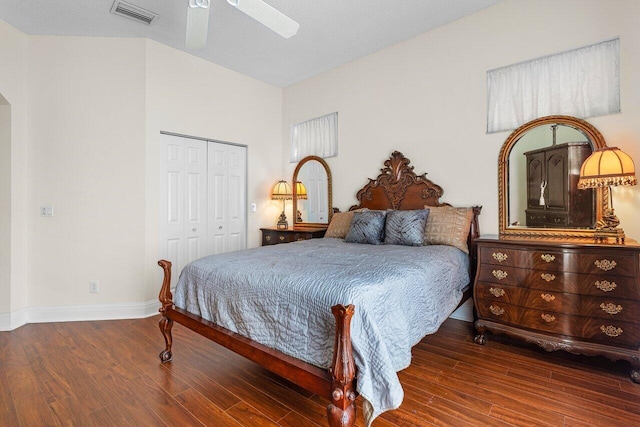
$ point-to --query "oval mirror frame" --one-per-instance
(601, 195)
(324, 164)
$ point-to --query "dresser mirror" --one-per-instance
(314, 208)
(538, 170)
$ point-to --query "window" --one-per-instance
(317, 137)
(584, 82)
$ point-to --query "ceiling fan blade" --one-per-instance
(197, 24)
(268, 16)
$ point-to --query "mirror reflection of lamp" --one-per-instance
(282, 191)
(608, 167)
(301, 194)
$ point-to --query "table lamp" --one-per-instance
(282, 191)
(301, 194)
(607, 167)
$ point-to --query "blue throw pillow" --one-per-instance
(406, 227)
(367, 227)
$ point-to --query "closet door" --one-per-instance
(227, 197)
(202, 199)
(183, 200)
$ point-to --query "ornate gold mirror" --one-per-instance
(312, 197)
(538, 171)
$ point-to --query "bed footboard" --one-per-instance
(337, 383)
(341, 412)
(166, 301)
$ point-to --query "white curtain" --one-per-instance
(583, 83)
(317, 137)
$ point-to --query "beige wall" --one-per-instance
(189, 96)
(86, 114)
(426, 97)
(13, 193)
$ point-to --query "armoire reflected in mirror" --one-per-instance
(539, 167)
(314, 209)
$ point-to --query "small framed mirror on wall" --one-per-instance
(312, 193)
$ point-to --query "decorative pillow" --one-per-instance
(447, 225)
(367, 227)
(405, 227)
(340, 223)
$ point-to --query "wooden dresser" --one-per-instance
(274, 236)
(583, 298)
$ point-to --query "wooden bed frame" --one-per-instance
(397, 187)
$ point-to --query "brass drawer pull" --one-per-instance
(498, 311)
(605, 285)
(605, 264)
(611, 331)
(499, 256)
(267, 238)
(499, 274)
(281, 238)
(611, 308)
(496, 292)
(548, 257)
(547, 277)
(547, 297)
(548, 317)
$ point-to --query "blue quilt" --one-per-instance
(281, 296)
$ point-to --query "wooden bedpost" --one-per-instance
(342, 410)
(166, 301)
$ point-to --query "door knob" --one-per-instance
(194, 230)
(219, 227)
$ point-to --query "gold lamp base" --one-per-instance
(282, 222)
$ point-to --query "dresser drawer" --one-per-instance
(559, 302)
(530, 298)
(610, 309)
(611, 332)
(273, 238)
(541, 320)
(608, 285)
(568, 261)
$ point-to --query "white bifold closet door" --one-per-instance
(202, 199)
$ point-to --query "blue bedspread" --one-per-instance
(281, 296)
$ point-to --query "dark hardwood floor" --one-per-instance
(108, 373)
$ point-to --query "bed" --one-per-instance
(296, 318)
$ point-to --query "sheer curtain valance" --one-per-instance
(315, 137)
(583, 83)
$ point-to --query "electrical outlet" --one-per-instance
(93, 287)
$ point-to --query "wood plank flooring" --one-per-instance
(108, 374)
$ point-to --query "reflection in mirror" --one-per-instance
(538, 171)
(544, 168)
(313, 177)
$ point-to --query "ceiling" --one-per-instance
(332, 32)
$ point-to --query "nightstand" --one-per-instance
(274, 236)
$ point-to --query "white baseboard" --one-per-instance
(13, 320)
(464, 312)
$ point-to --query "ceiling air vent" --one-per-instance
(133, 12)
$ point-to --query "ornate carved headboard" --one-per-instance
(398, 187)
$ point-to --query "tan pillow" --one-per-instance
(447, 225)
(340, 224)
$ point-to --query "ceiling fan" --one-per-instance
(198, 20)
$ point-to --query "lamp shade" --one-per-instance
(608, 166)
(301, 190)
(281, 191)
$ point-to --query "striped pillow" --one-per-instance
(367, 227)
(405, 227)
